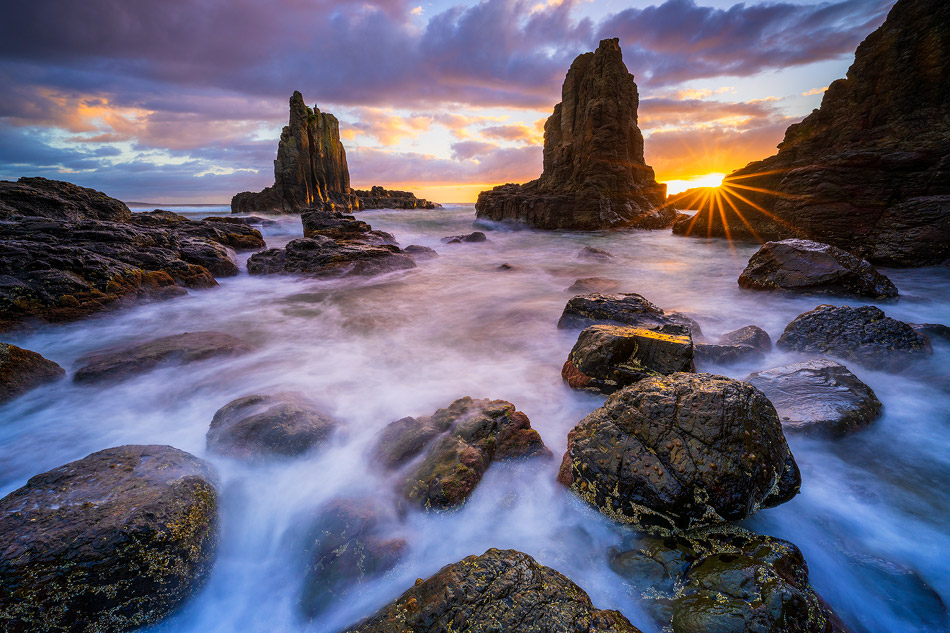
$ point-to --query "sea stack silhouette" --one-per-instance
(869, 171)
(594, 173)
(311, 172)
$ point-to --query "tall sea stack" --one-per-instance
(310, 170)
(869, 171)
(594, 173)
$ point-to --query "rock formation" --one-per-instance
(746, 344)
(379, 198)
(624, 309)
(869, 171)
(22, 370)
(594, 173)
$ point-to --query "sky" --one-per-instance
(182, 101)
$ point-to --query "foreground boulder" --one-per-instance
(112, 542)
(813, 267)
(864, 335)
(123, 362)
(624, 309)
(58, 200)
(346, 547)
(608, 357)
(751, 335)
(867, 172)
(285, 424)
(22, 370)
(680, 451)
(501, 590)
(379, 198)
(459, 443)
(818, 396)
(322, 256)
(594, 174)
(726, 580)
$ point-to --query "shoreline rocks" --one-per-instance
(22, 370)
(594, 174)
(379, 198)
(112, 542)
(624, 309)
(324, 257)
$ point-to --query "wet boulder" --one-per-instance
(609, 357)
(347, 546)
(119, 363)
(751, 335)
(22, 370)
(679, 451)
(594, 254)
(476, 236)
(624, 309)
(717, 354)
(812, 267)
(588, 285)
(865, 335)
(818, 396)
(932, 330)
(455, 447)
(727, 580)
(284, 424)
(226, 231)
(420, 252)
(343, 228)
(322, 256)
(501, 590)
(112, 542)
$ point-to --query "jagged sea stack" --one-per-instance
(310, 170)
(869, 171)
(594, 173)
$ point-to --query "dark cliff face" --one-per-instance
(310, 170)
(594, 173)
(870, 170)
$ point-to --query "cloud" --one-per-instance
(533, 135)
(471, 149)
(814, 91)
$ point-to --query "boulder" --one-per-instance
(477, 236)
(346, 547)
(751, 335)
(609, 357)
(594, 175)
(113, 542)
(813, 267)
(727, 580)
(864, 335)
(589, 285)
(22, 370)
(457, 445)
(310, 170)
(265, 425)
(501, 590)
(58, 200)
(867, 172)
(932, 330)
(818, 396)
(119, 363)
(379, 198)
(712, 354)
(343, 228)
(420, 252)
(224, 231)
(679, 451)
(594, 254)
(624, 309)
(322, 256)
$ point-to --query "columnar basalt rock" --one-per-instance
(869, 171)
(594, 176)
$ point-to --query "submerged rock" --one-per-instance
(347, 546)
(867, 172)
(608, 357)
(58, 200)
(459, 443)
(477, 236)
(379, 198)
(262, 425)
(712, 354)
(594, 173)
(813, 267)
(321, 256)
(501, 590)
(726, 580)
(119, 363)
(680, 451)
(22, 370)
(594, 254)
(818, 396)
(420, 252)
(590, 285)
(112, 542)
(864, 335)
(624, 309)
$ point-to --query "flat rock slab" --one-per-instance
(624, 309)
(726, 580)
(681, 451)
(321, 256)
(865, 335)
(818, 396)
(457, 445)
(122, 362)
(609, 357)
(112, 542)
(22, 370)
(501, 590)
(283, 424)
(812, 267)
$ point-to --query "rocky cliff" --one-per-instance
(310, 170)
(870, 170)
(594, 173)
